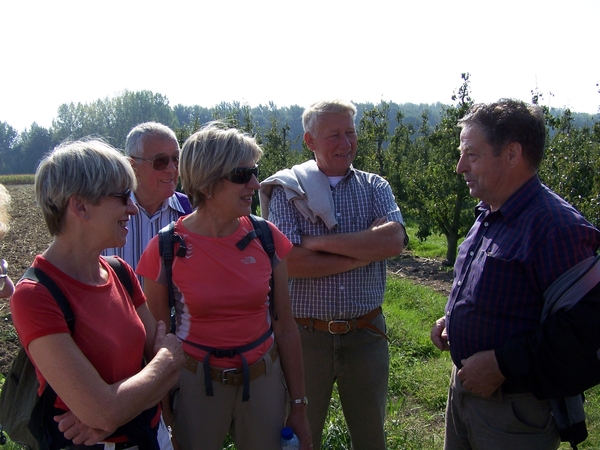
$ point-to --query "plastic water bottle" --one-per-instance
(289, 441)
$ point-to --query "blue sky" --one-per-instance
(295, 52)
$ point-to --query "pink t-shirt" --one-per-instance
(107, 328)
(221, 293)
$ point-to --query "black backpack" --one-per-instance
(166, 248)
(563, 294)
(24, 414)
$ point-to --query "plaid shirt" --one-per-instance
(358, 199)
(507, 261)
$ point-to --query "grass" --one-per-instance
(16, 179)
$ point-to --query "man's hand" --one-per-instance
(75, 430)
(480, 373)
(439, 334)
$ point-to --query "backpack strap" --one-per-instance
(262, 231)
(38, 275)
(122, 273)
(166, 249)
(230, 353)
(44, 407)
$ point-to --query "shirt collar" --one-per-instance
(162, 208)
(516, 202)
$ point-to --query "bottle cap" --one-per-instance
(287, 433)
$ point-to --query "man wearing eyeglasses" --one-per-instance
(154, 154)
(344, 223)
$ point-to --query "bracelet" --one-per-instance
(299, 401)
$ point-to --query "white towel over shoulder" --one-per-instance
(307, 187)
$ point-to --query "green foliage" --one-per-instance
(435, 193)
(571, 167)
(415, 147)
(112, 118)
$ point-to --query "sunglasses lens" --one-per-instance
(160, 163)
(242, 175)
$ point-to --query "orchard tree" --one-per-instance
(403, 158)
(435, 191)
(571, 166)
(373, 137)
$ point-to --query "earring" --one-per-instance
(208, 197)
(86, 217)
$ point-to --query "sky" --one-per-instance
(198, 52)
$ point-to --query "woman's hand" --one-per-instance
(298, 422)
(78, 432)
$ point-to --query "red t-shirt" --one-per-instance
(107, 328)
(221, 292)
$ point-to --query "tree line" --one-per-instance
(415, 147)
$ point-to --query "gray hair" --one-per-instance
(134, 144)
(311, 115)
(88, 168)
(210, 154)
(4, 216)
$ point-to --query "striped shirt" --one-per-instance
(142, 228)
(507, 261)
(358, 200)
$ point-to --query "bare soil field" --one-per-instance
(29, 236)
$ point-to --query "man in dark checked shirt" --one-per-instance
(524, 237)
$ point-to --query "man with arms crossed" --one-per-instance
(337, 272)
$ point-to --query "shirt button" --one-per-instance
(486, 224)
(342, 288)
(471, 253)
(338, 214)
(459, 283)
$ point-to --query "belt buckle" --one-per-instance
(224, 375)
(348, 328)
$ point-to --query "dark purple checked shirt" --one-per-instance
(505, 264)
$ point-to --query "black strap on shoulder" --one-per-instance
(122, 273)
(38, 275)
(262, 231)
(166, 249)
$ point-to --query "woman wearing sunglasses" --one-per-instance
(222, 306)
(104, 396)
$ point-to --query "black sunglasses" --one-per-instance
(160, 162)
(124, 196)
(242, 175)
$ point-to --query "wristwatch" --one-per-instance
(3, 273)
(299, 401)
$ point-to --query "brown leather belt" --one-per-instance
(344, 326)
(234, 376)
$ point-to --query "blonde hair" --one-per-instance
(89, 168)
(210, 154)
(4, 216)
